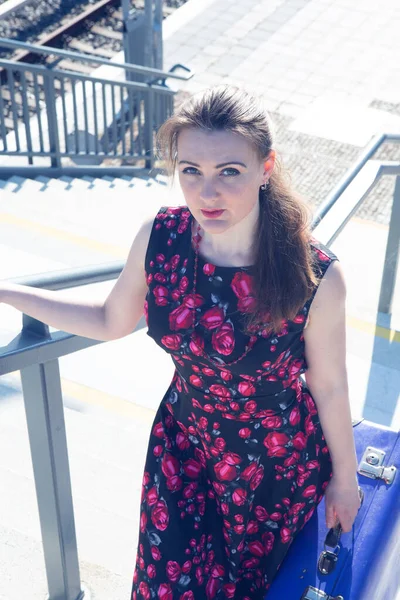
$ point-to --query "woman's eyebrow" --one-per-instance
(233, 162)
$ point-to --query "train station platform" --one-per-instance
(329, 94)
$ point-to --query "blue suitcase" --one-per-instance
(365, 564)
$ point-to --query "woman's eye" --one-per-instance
(190, 171)
(230, 171)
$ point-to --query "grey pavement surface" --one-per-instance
(330, 76)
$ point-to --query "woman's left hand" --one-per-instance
(342, 501)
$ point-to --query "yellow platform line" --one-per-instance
(109, 402)
(376, 330)
(79, 240)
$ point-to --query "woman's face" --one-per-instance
(219, 170)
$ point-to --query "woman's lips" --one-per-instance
(212, 214)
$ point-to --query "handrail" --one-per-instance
(95, 60)
(374, 145)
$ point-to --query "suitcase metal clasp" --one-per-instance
(371, 465)
(311, 593)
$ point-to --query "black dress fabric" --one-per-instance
(237, 461)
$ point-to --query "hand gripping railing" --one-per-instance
(35, 352)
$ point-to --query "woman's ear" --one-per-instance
(269, 163)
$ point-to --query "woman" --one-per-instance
(242, 450)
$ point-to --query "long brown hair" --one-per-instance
(283, 277)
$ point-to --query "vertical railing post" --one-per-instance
(47, 437)
(54, 141)
(392, 254)
(157, 36)
(149, 127)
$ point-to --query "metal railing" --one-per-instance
(61, 114)
(35, 352)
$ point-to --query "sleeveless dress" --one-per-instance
(237, 461)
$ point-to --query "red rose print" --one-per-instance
(223, 340)
(249, 471)
(208, 269)
(160, 516)
(239, 497)
(187, 566)
(160, 258)
(182, 441)
(309, 426)
(213, 318)
(173, 342)
(313, 464)
(261, 513)
(268, 540)
(252, 563)
(219, 390)
(143, 522)
(286, 535)
(245, 433)
(158, 430)
(274, 442)
(173, 571)
(246, 388)
(196, 381)
(152, 496)
(156, 554)
(226, 375)
(296, 508)
(180, 318)
(232, 458)
(224, 471)
(217, 571)
(242, 284)
(192, 468)
(151, 571)
(251, 406)
(257, 478)
(310, 404)
(161, 295)
(229, 590)
(220, 488)
(309, 492)
(299, 441)
(193, 300)
(252, 527)
(165, 592)
(170, 465)
(275, 516)
(272, 422)
(144, 590)
(294, 417)
(183, 284)
(174, 483)
(187, 596)
(220, 444)
(212, 587)
(256, 548)
(196, 344)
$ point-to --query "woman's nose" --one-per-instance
(208, 191)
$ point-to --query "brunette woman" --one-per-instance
(245, 301)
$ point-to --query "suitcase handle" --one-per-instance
(329, 556)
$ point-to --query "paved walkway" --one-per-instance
(330, 77)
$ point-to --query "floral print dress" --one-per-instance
(237, 461)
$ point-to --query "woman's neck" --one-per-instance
(233, 247)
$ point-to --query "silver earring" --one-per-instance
(264, 185)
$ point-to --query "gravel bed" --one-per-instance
(44, 16)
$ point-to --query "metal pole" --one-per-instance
(48, 443)
(392, 254)
(157, 36)
(51, 113)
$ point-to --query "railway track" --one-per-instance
(97, 30)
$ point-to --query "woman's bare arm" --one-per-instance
(108, 319)
(326, 377)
